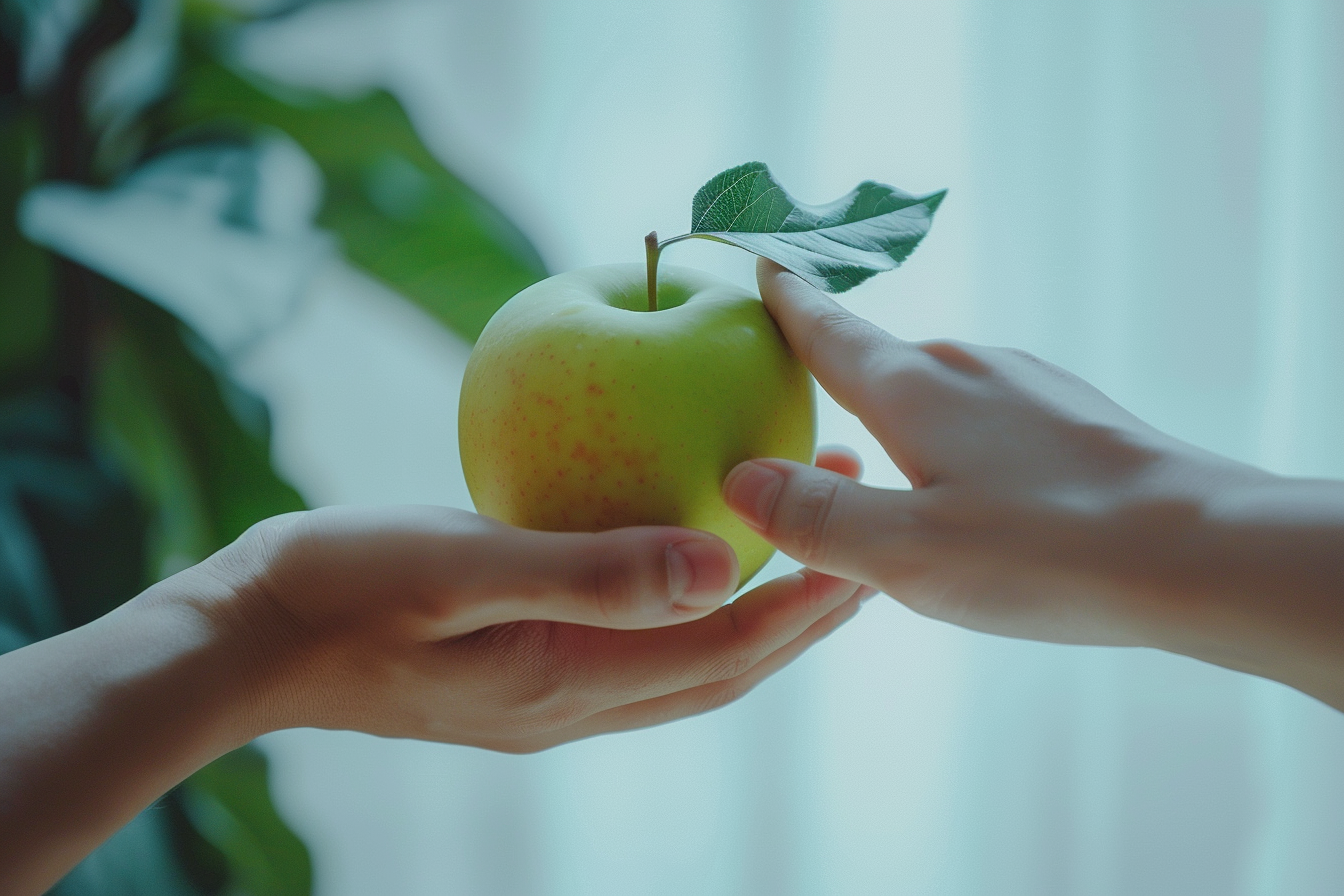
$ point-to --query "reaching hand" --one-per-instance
(1041, 509)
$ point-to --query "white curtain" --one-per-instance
(1148, 192)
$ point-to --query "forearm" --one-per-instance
(101, 721)
(1254, 581)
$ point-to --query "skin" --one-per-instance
(1041, 509)
(415, 622)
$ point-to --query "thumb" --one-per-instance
(819, 518)
(639, 577)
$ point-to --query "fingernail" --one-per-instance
(696, 573)
(751, 490)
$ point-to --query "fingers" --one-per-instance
(707, 697)
(445, 572)
(545, 684)
(822, 519)
(622, 579)
(625, 667)
(634, 679)
(699, 699)
(840, 459)
(841, 349)
(626, 586)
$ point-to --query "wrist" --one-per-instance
(102, 720)
(210, 678)
(247, 653)
(1244, 569)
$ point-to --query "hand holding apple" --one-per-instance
(613, 396)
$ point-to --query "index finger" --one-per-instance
(842, 350)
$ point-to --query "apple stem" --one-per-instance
(651, 250)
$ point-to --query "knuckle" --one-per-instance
(611, 584)
(817, 587)
(803, 516)
(555, 717)
(540, 693)
(910, 385)
(954, 353)
(732, 663)
(261, 545)
(835, 326)
(268, 561)
(829, 325)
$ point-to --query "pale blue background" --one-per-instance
(1148, 192)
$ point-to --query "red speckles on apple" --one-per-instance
(588, 459)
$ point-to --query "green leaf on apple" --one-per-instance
(836, 246)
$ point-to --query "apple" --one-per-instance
(583, 410)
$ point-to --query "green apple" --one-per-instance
(583, 410)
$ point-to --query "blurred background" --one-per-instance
(245, 247)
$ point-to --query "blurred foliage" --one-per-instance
(400, 214)
(126, 451)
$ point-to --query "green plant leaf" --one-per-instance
(72, 528)
(398, 212)
(137, 860)
(71, 548)
(27, 311)
(834, 247)
(229, 804)
(169, 421)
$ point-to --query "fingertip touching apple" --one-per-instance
(620, 395)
